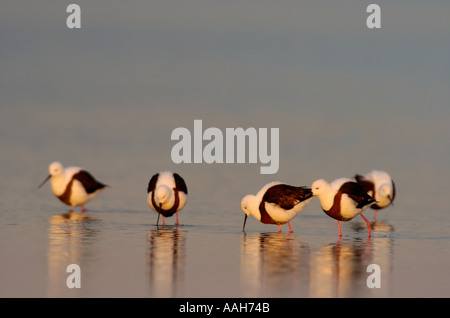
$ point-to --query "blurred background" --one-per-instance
(347, 99)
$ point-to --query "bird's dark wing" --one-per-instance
(365, 184)
(89, 183)
(152, 183)
(179, 183)
(357, 193)
(287, 196)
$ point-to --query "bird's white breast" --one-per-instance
(59, 183)
(281, 215)
(348, 207)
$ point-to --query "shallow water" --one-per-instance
(124, 254)
(108, 97)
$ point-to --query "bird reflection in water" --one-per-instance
(269, 262)
(70, 242)
(165, 260)
(280, 265)
(340, 269)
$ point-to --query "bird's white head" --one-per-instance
(319, 186)
(55, 169)
(385, 190)
(245, 204)
(246, 207)
(162, 194)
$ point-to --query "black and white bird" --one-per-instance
(276, 203)
(167, 194)
(379, 185)
(342, 199)
(74, 186)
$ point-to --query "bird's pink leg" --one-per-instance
(176, 221)
(290, 228)
(71, 209)
(375, 215)
(83, 209)
(339, 226)
(163, 219)
(367, 222)
(279, 228)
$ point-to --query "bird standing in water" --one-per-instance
(74, 186)
(380, 186)
(276, 203)
(166, 194)
(342, 199)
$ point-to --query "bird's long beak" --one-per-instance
(46, 179)
(159, 212)
(245, 221)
